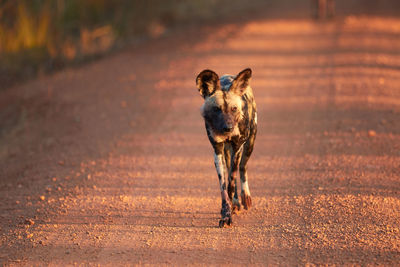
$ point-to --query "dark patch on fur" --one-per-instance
(207, 82)
(225, 103)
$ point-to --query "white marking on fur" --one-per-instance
(224, 195)
(235, 131)
(219, 165)
(255, 117)
(218, 160)
(245, 188)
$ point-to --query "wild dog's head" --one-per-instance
(223, 104)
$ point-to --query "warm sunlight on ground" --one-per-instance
(119, 152)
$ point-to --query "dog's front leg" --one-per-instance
(219, 161)
(232, 187)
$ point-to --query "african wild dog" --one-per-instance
(229, 112)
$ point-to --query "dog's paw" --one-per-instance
(225, 222)
(235, 206)
(246, 201)
(226, 215)
(226, 209)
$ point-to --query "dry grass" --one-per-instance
(43, 35)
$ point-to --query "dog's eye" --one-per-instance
(234, 109)
(216, 109)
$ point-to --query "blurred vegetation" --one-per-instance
(43, 35)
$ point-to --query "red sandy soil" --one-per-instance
(109, 163)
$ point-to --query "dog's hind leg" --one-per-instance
(247, 150)
(236, 155)
(228, 159)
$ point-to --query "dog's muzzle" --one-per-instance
(228, 128)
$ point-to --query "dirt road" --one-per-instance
(109, 163)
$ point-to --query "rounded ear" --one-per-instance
(241, 82)
(207, 82)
